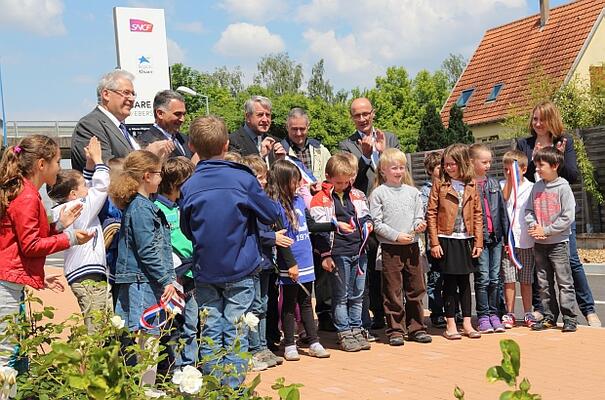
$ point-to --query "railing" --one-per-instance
(19, 129)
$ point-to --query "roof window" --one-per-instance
(495, 92)
(464, 97)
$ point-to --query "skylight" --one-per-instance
(464, 96)
(495, 92)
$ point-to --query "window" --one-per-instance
(495, 92)
(464, 96)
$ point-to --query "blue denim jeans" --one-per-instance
(258, 339)
(188, 332)
(487, 279)
(347, 291)
(225, 304)
(580, 282)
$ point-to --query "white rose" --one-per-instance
(251, 321)
(8, 379)
(189, 379)
(117, 322)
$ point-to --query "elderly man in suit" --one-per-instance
(367, 143)
(115, 97)
(253, 137)
(169, 111)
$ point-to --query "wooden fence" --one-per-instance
(590, 217)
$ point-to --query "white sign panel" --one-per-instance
(141, 49)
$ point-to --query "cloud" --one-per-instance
(176, 54)
(191, 27)
(353, 35)
(246, 40)
(254, 10)
(41, 17)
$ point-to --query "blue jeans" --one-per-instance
(487, 279)
(347, 291)
(580, 282)
(225, 304)
(188, 356)
(258, 340)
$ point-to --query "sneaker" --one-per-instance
(317, 350)
(348, 342)
(291, 353)
(264, 357)
(396, 340)
(593, 320)
(268, 354)
(496, 324)
(569, 325)
(545, 323)
(509, 321)
(438, 322)
(529, 319)
(485, 326)
(420, 337)
(257, 365)
(364, 343)
(538, 316)
(369, 337)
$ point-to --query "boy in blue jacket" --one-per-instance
(226, 197)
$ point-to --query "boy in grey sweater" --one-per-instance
(549, 214)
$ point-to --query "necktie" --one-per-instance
(177, 145)
(259, 141)
(125, 133)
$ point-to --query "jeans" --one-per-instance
(188, 332)
(487, 279)
(11, 295)
(258, 339)
(552, 261)
(347, 291)
(225, 304)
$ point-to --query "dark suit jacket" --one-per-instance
(240, 141)
(365, 171)
(153, 134)
(96, 123)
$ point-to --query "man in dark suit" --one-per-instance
(169, 111)
(367, 143)
(115, 96)
(253, 137)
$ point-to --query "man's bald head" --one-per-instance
(362, 114)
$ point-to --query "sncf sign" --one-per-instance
(138, 25)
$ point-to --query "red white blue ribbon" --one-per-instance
(156, 315)
(334, 222)
(307, 176)
(366, 230)
(516, 182)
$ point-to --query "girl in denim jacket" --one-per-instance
(144, 269)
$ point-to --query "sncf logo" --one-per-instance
(138, 25)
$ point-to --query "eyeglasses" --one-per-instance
(364, 115)
(124, 93)
(156, 172)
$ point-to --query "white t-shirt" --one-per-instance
(520, 228)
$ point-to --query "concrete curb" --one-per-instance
(595, 268)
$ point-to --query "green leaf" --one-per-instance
(525, 385)
(48, 313)
(78, 382)
(511, 356)
(497, 373)
(508, 395)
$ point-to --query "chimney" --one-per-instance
(544, 11)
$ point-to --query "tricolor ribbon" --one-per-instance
(516, 182)
(366, 230)
(156, 315)
(334, 222)
(307, 176)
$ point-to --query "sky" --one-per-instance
(52, 52)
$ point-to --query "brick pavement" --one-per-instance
(559, 366)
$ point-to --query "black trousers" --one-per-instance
(292, 295)
(457, 287)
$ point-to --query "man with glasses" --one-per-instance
(367, 143)
(169, 111)
(115, 97)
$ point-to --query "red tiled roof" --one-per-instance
(510, 53)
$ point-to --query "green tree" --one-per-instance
(432, 132)
(318, 87)
(279, 73)
(430, 88)
(457, 130)
(453, 66)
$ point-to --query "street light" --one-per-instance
(3, 120)
(191, 92)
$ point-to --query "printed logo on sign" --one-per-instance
(145, 65)
(138, 25)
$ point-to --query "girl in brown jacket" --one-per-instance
(455, 226)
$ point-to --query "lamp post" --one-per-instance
(191, 92)
(4, 135)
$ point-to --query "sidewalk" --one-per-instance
(558, 366)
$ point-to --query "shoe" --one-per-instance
(377, 324)
(496, 324)
(529, 319)
(545, 323)
(438, 322)
(269, 355)
(369, 337)
(485, 326)
(291, 353)
(317, 350)
(451, 336)
(472, 334)
(593, 320)
(509, 321)
(348, 342)
(263, 357)
(420, 337)
(538, 316)
(569, 325)
(396, 340)
(364, 343)
(257, 365)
